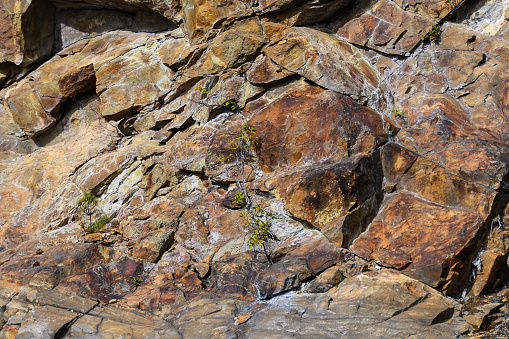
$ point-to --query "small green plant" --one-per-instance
(223, 158)
(245, 139)
(136, 281)
(260, 221)
(232, 104)
(433, 34)
(97, 225)
(88, 206)
(239, 198)
(397, 112)
(256, 218)
(204, 90)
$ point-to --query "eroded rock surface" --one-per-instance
(377, 156)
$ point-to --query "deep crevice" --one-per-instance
(62, 331)
(464, 11)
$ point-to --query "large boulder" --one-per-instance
(430, 227)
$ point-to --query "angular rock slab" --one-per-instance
(428, 241)
(394, 27)
(27, 111)
(34, 103)
(27, 29)
(299, 124)
(453, 99)
(377, 304)
(200, 16)
(431, 224)
(310, 257)
(339, 199)
(325, 60)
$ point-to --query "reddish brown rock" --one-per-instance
(242, 318)
(307, 259)
(200, 16)
(490, 262)
(340, 199)
(201, 234)
(428, 241)
(191, 279)
(235, 275)
(301, 125)
(439, 125)
(27, 29)
(152, 245)
(105, 281)
(27, 111)
(81, 80)
(392, 27)
(232, 48)
(265, 71)
(176, 250)
(54, 265)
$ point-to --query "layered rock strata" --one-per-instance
(380, 148)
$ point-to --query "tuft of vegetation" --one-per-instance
(232, 104)
(136, 281)
(397, 112)
(88, 207)
(433, 34)
(239, 198)
(204, 90)
(260, 220)
(98, 224)
(257, 219)
(87, 204)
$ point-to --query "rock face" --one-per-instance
(254, 169)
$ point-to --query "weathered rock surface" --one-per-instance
(377, 158)
(373, 304)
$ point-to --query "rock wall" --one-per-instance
(380, 147)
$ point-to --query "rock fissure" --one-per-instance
(61, 333)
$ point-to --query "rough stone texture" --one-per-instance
(340, 199)
(337, 128)
(378, 160)
(314, 55)
(27, 30)
(366, 305)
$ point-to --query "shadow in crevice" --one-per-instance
(465, 11)
(72, 25)
(354, 10)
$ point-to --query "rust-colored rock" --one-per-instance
(299, 124)
(368, 136)
(309, 258)
(151, 246)
(340, 199)
(432, 236)
(27, 111)
(79, 81)
(393, 27)
(27, 30)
